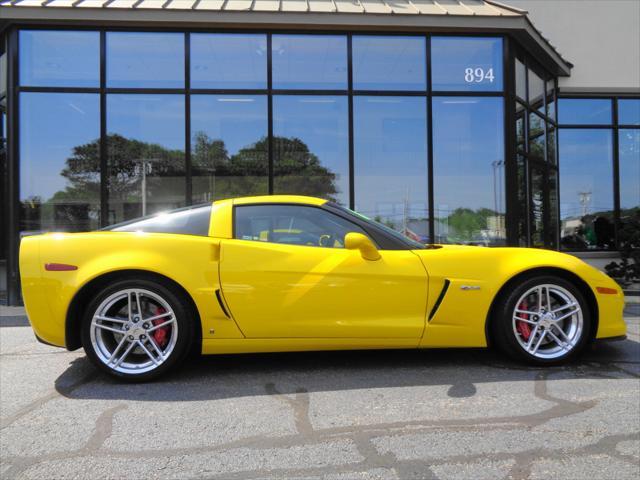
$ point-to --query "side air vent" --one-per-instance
(443, 292)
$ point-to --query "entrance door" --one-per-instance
(287, 275)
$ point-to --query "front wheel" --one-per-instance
(544, 321)
(136, 329)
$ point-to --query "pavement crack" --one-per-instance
(299, 404)
(103, 429)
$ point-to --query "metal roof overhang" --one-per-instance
(518, 26)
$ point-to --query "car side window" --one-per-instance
(184, 221)
(292, 224)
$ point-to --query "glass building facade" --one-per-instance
(446, 138)
(115, 125)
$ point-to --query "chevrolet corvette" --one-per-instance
(293, 273)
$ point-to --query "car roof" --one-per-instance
(270, 199)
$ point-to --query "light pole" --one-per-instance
(144, 168)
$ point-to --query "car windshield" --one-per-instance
(382, 226)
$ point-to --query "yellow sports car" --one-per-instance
(287, 273)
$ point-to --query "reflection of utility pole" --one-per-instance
(142, 170)
(496, 164)
(585, 200)
(405, 212)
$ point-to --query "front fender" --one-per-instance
(476, 275)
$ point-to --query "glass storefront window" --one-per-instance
(468, 151)
(389, 63)
(59, 161)
(390, 146)
(582, 111)
(466, 64)
(536, 92)
(536, 138)
(537, 208)
(523, 209)
(586, 189)
(629, 111)
(3, 73)
(222, 60)
(521, 80)
(229, 147)
(629, 157)
(311, 146)
(309, 62)
(551, 144)
(551, 101)
(145, 154)
(520, 127)
(145, 60)
(58, 58)
(553, 222)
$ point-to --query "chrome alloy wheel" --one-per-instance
(133, 331)
(548, 321)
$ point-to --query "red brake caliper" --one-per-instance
(160, 335)
(523, 328)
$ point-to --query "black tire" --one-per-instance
(503, 328)
(183, 316)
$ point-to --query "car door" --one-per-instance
(286, 274)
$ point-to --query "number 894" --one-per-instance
(478, 75)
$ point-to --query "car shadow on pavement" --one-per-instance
(232, 376)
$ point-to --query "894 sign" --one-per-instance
(478, 75)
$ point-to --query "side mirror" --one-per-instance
(358, 241)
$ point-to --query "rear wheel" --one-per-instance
(137, 329)
(545, 320)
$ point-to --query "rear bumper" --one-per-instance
(36, 292)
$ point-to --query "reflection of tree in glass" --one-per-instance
(467, 225)
(297, 171)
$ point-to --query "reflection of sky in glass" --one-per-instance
(629, 111)
(309, 61)
(586, 166)
(321, 122)
(582, 111)
(155, 119)
(238, 120)
(452, 56)
(629, 145)
(221, 60)
(59, 59)
(390, 144)
(145, 59)
(389, 63)
(467, 141)
(45, 145)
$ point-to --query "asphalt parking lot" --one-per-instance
(466, 414)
